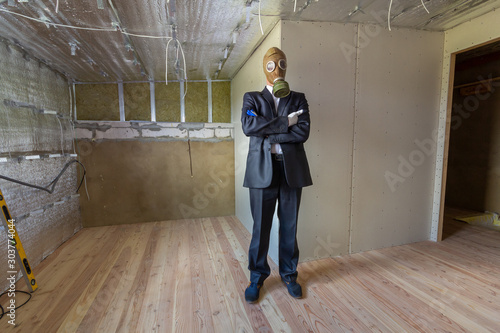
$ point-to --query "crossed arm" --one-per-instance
(276, 129)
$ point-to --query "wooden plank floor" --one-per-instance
(189, 276)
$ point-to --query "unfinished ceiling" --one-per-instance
(126, 40)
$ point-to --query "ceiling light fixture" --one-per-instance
(356, 10)
(73, 48)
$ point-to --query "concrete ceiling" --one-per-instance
(126, 40)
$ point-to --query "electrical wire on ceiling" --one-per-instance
(178, 47)
(166, 61)
(389, 16)
(57, 24)
(113, 29)
(423, 4)
(185, 69)
(389, 12)
(260, 20)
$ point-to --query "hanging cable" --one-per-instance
(389, 13)
(86, 189)
(144, 36)
(185, 69)
(85, 178)
(423, 4)
(57, 6)
(50, 187)
(389, 16)
(190, 157)
(73, 135)
(70, 101)
(56, 24)
(82, 28)
(166, 62)
(260, 20)
(72, 126)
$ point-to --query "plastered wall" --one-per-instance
(155, 151)
(372, 94)
(468, 35)
(144, 172)
(35, 144)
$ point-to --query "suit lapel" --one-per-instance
(282, 106)
(269, 98)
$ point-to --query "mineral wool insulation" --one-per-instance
(30, 92)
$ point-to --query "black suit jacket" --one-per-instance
(268, 127)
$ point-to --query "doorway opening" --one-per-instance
(472, 181)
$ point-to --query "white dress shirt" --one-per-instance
(275, 147)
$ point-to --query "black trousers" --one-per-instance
(263, 205)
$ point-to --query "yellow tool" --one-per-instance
(16, 247)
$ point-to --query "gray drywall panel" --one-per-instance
(318, 66)
(396, 116)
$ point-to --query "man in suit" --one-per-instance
(277, 121)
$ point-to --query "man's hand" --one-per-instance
(294, 117)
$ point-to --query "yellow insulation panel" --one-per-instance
(221, 102)
(97, 102)
(196, 102)
(137, 101)
(167, 101)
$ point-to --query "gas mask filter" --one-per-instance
(275, 70)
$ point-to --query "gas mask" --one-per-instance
(275, 69)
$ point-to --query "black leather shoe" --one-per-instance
(252, 292)
(294, 289)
